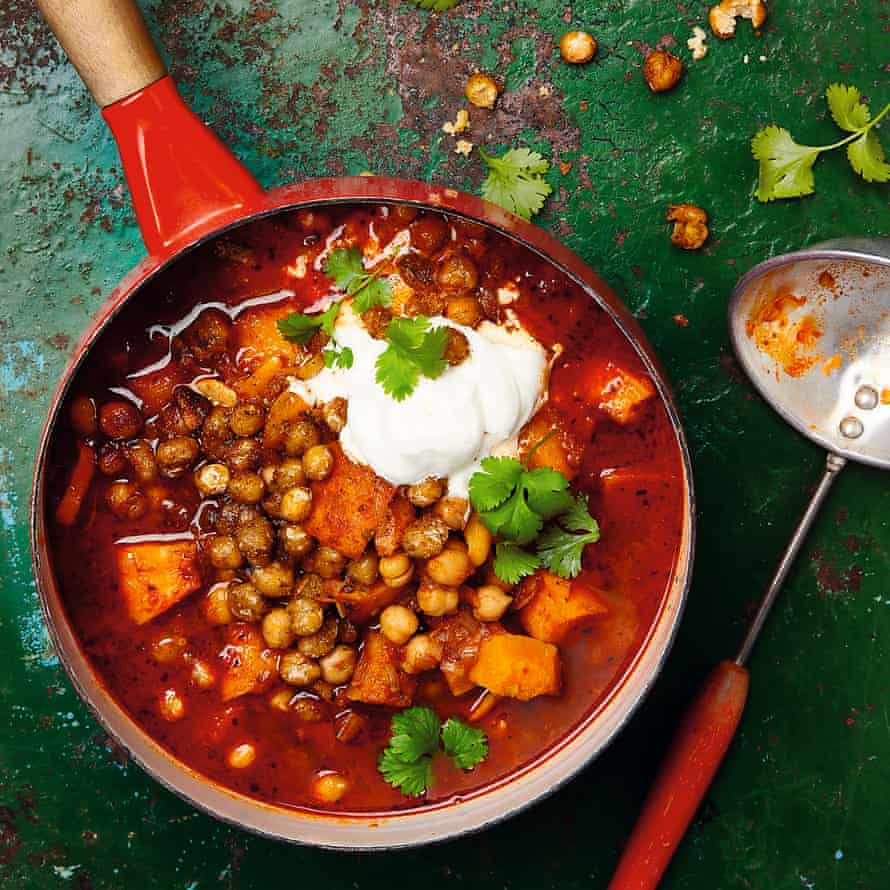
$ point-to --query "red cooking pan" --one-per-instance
(187, 188)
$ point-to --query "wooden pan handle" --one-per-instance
(684, 778)
(109, 44)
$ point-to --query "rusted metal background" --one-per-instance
(302, 88)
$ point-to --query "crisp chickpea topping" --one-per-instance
(481, 90)
(690, 226)
(722, 18)
(460, 123)
(662, 70)
(577, 47)
(696, 43)
(463, 147)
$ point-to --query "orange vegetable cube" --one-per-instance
(249, 666)
(348, 506)
(378, 679)
(619, 393)
(518, 667)
(559, 452)
(256, 331)
(255, 386)
(156, 388)
(361, 604)
(557, 605)
(155, 576)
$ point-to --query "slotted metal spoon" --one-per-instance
(812, 331)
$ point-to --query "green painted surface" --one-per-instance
(302, 88)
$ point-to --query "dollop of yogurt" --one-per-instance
(447, 425)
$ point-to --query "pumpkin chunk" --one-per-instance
(554, 446)
(557, 605)
(348, 506)
(249, 666)
(618, 393)
(154, 576)
(378, 680)
(517, 667)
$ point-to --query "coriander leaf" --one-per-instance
(866, 156)
(786, 168)
(415, 732)
(415, 349)
(514, 519)
(846, 107)
(512, 563)
(547, 491)
(301, 328)
(346, 268)
(465, 745)
(514, 181)
(436, 5)
(559, 548)
(412, 779)
(336, 356)
(495, 482)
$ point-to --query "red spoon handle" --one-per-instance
(694, 757)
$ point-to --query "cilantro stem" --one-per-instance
(855, 134)
(536, 446)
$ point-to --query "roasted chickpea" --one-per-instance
(309, 710)
(334, 414)
(425, 537)
(690, 226)
(246, 603)
(295, 541)
(305, 615)
(452, 511)
(429, 233)
(330, 788)
(398, 624)
(120, 420)
(452, 566)
(422, 653)
(481, 90)
(396, 570)
(478, 539)
(296, 504)
(300, 437)
(322, 642)
(142, 459)
(241, 756)
(309, 586)
(223, 552)
(126, 500)
(272, 505)
(457, 273)
(662, 70)
(186, 413)
(247, 419)
(464, 310)
(171, 706)
(326, 562)
(364, 569)
(277, 630)
(111, 459)
(437, 599)
(457, 348)
(169, 649)
(318, 462)
(297, 669)
(82, 413)
(216, 426)
(274, 580)
(281, 700)
(216, 605)
(490, 603)
(288, 474)
(255, 540)
(323, 689)
(201, 675)
(212, 479)
(176, 456)
(246, 488)
(338, 666)
(577, 47)
(243, 455)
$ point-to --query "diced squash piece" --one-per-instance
(255, 386)
(559, 452)
(517, 667)
(249, 665)
(348, 506)
(361, 604)
(378, 679)
(155, 576)
(389, 533)
(78, 485)
(619, 393)
(557, 605)
(256, 330)
(156, 388)
(460, 637)
(283, 411)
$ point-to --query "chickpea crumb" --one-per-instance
(577, 47)
(690, 226)
(463, 147)
(481, 90)
(680, 320)
(722, 17)
(696, 43)
(662, 70)
(459, 125)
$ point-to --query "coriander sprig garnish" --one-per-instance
(515, 181)
(415, 349)
(786, 167)
(417, 736)
(345, 268)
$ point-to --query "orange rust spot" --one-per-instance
(832, 364)
(789, 338)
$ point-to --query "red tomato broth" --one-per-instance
(640, 516)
